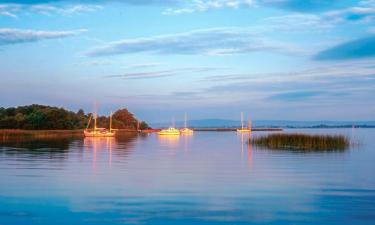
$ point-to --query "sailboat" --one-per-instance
(186, 130)
(99, 132)
(243, 129)
(170, 131)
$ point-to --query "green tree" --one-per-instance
(47, 117)
(20, 119)
(143, 126)
(3, 112)
(11, 111)
(124, 119)
(8, 122)
(35, 120)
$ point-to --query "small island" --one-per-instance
(302, 142)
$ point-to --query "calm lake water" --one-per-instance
(207, 178)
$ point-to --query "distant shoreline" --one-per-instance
(235, 129)
(80, 131)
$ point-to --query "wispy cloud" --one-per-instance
(67, 10)
(302, 6)
(311, 21)
(363, 12)
(295, 95)
(13, 10)
(291, 5)
(353, 79)
(205, 5)
(216, 41)
(161, 73)
(14, 36)
(355, 68)
(9, 10)
(355, 49)
(328, 86)
(143, 65)
(296, 22)
(134, 2)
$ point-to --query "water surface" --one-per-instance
(207, 178)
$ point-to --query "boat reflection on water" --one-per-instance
(187, 138)
(175, 141)
(103, 148)
(171, 141)
(29, 148)
(244, 138)
(96, 144)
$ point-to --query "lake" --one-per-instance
(207, 178)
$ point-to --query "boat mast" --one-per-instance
(96, 115)
(110, 123)
(88, 123)
(242, 120)
(185, 124)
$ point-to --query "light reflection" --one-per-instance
(170, 141)
(249, 155)
(245, 139)
(99, 144)
(187, 139)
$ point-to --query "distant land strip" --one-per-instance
(235, 129)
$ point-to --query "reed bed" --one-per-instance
(24, 135)
(14, 135)
(303, 142)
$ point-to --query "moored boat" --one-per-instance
(186, 130)
(97, 131)
(243, 129)
(169, 131)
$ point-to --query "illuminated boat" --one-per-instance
(186, 130)
(243, 129)
(169, 131)
(99, 132)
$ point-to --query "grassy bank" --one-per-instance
(302, 142)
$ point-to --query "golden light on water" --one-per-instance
(96, 144)
(244, 138)
(169, 140)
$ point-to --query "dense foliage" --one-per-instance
(121, 119)
(302, 142)
(40, 117)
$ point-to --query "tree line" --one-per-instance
(41, 117)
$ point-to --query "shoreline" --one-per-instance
(80, 131)
(7, 134)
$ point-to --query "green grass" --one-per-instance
(304, 142)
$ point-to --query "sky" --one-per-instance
(271, 59)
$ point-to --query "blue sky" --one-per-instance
(272, 59)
